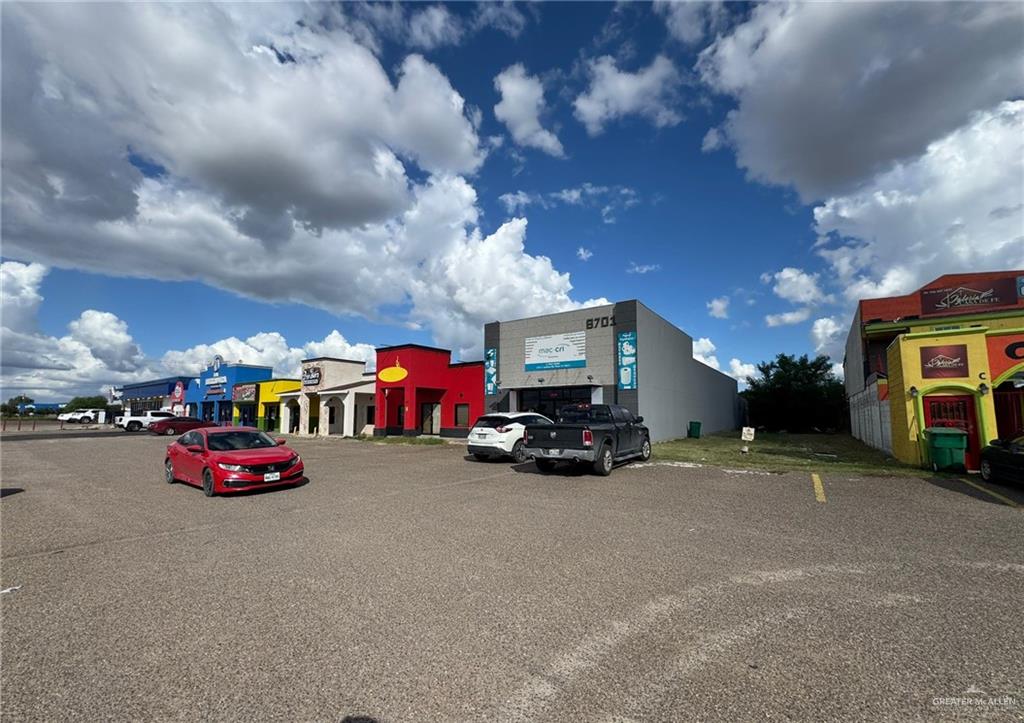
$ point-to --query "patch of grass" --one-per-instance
(774, 452)
(398, 439)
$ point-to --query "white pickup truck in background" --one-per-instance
(83, 416)
(138, 422)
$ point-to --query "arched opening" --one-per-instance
(954, 405)
(290, 417)
(1008, 398)
(333, 423)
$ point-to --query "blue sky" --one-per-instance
(407, 171)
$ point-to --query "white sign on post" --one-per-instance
(748, 434)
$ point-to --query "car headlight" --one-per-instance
(231, 467)
(294, 461)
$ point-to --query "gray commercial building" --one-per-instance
(622, 353)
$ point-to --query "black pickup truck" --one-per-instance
(598, 434)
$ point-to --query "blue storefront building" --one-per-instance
(209, 396)
(154, 394)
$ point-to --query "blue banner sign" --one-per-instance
(627, 360)
(491, 371)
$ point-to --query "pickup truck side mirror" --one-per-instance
(639, 420)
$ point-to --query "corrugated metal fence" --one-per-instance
(869, 418)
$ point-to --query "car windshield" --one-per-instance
(229, 441)
(492, 421)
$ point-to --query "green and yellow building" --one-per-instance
(950, 354)
(259, 403)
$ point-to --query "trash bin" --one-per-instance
(946, 446)
(694, 430)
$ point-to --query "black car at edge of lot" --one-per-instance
(1003, 460)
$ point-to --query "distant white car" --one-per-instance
(81, 416)
(501, 434)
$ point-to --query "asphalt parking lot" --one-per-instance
(407, 584)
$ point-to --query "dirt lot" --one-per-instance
(407, 583)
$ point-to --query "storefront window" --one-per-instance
(549, 401)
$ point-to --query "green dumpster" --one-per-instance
(946, 446)
(694, 430)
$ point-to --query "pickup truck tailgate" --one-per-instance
(555, 436)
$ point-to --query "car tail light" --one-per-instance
(588, 438)
(502, 430)
(526, 437)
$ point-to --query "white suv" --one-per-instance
(137, 422)
(501, 434)
(82, 416)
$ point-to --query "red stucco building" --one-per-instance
(420, 391)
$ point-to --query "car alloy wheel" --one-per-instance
(208, 483)
(168, 472)
(134, 426)
(85, 420)
(986, 470)
(518, 452)
(603, 465)
(645, 450)
(169, 432)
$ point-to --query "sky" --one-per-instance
(270, 182)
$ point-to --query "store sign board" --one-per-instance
(244, 393)
(747, 435)
(944, 362)
(556, 351)
(311, 376)
(179, 392)
(217, 380)
(627, 360)
(969, 297)
(1004, 352)
(215, 391)
(490, 371)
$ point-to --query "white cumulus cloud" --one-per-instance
(959, 207)
(719, 307)
(787, 318)
(286, 163)
(689, 20)
(899, 76)
(613, 93)
(796, 285)
(828, 337)
(521, 107)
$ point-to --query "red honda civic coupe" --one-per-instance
(232, 459)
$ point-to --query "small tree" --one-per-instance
(797, 395)
(97, 402)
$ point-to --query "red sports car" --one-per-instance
(177, 425)
(231, 459)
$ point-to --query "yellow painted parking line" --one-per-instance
(1005, 500)
(819, 489)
